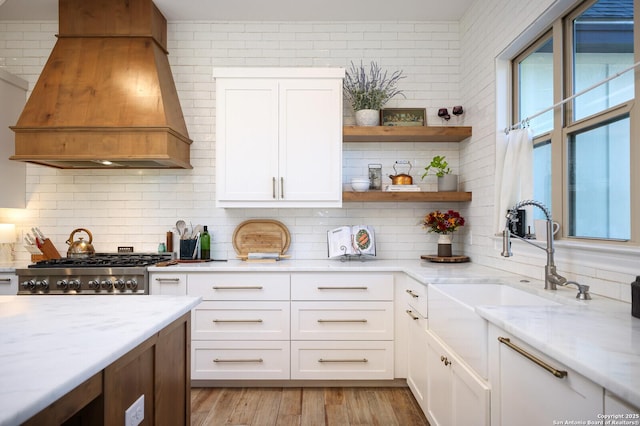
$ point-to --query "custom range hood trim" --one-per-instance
(106, 96)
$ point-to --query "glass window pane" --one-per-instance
(542, 176)
(536, 87)
(599, 182)
(602, 47)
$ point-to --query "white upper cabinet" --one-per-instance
(13, 95)
(279, 137)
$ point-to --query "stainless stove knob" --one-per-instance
(107, 284)
(43, 284)
(94, 284)
(132, 284)
(74, 285)
(62, 284)
(29, 285)
(119, 284)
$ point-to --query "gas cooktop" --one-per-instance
(108, 260)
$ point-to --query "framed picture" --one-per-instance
(403, 117)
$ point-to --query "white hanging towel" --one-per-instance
(514, 173)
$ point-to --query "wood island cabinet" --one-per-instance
(278, 137)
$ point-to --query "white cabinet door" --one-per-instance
(455, 394)
(311, 140)
(169, 284)
(279, 137)
(417, 356)
(247, 140)
(8, 284)
(525, 393)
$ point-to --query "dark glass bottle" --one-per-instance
(205, 244)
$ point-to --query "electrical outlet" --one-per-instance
(134, 415)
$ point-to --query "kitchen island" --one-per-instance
(93, 356)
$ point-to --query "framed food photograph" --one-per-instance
(403, 117)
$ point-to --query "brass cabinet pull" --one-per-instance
(170, 280)
(273, 186)
(237, 320)
(342, 320)
(5, 280)
(282, 187)
(238, 360)
(239, 287)
(412, 294)
(558, 373)
(342, 288)
(343, 360)
(410, 313)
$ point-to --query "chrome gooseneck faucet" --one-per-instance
(551, 278)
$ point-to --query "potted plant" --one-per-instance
(443, 224)
(446, 180)
(368, 91)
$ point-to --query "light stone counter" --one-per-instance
(597, 338)
(51, 344)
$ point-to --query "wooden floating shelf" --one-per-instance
(405, 134)
(423, 196)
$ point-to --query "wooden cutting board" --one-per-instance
(261, 236)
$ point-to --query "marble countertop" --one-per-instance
(597, 338)
(51, 344)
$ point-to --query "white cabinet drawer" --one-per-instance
(342, 286)
(217, 360)
(168, 284)
(342, 320)
(235, 286)
(358, 360)
(241, 321)
(415, 295)
(8, 284)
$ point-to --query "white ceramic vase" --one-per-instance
(444, 245)
(368, 117)
(447, 183)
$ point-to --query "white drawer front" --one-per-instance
(241, 321)
(239, 286)
(415, 295)
(342, 320)
(360, 360)
(218, 360)
(340, 286)
(167, 284)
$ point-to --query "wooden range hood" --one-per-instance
(106, 93)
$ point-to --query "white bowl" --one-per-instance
(360, 184)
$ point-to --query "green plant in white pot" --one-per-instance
(369, 90)
(446, 180)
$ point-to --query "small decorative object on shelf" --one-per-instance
(403, 117)
(446, 180)
(444, 224)
(369, 91)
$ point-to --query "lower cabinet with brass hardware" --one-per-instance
(167, 284)
(530, 388)
(414, 318)
(455, 394)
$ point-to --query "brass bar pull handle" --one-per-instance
(342, 320)
(412, 294)
(237, 320)
(239, 287)
(281, 187)
(343, 360)
(342, 288)
(273, 186)
(5, 280)
(410, 313)
(238, 360)
(558, 373)
(169, 280)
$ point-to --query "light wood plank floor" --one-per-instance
(305, 406)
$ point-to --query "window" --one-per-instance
(582, 156)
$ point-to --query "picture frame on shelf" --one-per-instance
(403, 117)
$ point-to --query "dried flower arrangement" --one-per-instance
(372, 89)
